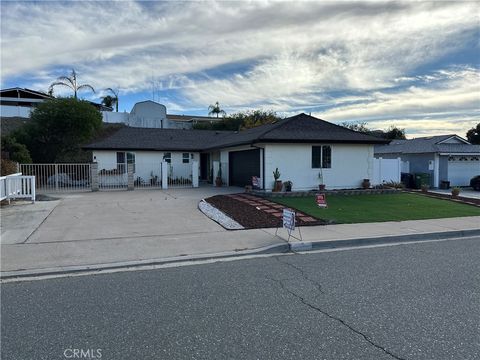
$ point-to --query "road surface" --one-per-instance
(412, 301)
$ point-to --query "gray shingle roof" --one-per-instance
(299, 128)
(425, 145)
(132, 138)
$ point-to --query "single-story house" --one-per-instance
(445, 157)
(301, 147)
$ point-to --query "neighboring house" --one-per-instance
(19, 102)
(446, 158)
(300, 147)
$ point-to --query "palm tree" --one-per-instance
(215, 109)
(109, 100)
(71, 82)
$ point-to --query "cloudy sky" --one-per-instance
(415, 65)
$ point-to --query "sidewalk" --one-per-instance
(61, 236)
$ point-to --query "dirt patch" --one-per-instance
(254, 212)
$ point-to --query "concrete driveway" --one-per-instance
(117, 226)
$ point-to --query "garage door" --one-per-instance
(462, 168)
(242, 166)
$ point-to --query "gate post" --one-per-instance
(94, 176)
(130, 177)
(164, 175)
(195, 174)
(56, 177)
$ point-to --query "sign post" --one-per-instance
(288, 222)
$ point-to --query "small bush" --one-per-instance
(455, 191)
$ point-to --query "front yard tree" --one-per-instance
(59, 127)
(70, 82)
(473, 135)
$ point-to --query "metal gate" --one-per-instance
(59, 177)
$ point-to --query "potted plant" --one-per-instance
(218, 179)
(288, 185)
(366, 183)
(425, 188)
(321, 185)
(277, 185)
(153, 179)
(455, 191)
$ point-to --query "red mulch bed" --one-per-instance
(252, 218)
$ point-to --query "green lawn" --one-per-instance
(373, 208)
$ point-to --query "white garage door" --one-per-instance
(462, 168)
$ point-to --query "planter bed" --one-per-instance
(254, 212)
(271, 194)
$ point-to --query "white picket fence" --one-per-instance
(17, 186)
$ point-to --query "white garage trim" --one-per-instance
(461, 168)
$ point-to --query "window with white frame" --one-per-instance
(123, 159)
(167, 157)
(321, 157)
(186, 158)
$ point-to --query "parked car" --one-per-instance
(475, 183)
(65, 180)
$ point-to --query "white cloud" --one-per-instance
(299, 53)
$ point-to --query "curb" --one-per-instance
(368, 241)
(271, 249)
(297, 246)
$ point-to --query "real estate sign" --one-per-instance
(321, 200)
(289, 219)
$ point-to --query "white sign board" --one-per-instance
(289, 219)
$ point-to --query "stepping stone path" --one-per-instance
(272, 208)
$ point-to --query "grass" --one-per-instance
(344, 209)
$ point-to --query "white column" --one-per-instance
(195, 174)
(436, 171)
(164, 175)
(216, 166)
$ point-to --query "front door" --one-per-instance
(204, 161)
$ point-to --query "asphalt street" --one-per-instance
(413, 301)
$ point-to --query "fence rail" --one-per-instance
(59, 177)
(179, 175)
(17, 186)
(93, 177)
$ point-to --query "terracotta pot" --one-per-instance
(366, 183)
(218, 181)
(278, 185)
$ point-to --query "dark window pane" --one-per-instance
(120, 157)
(316, 156)
(326, 157)
(186, 158)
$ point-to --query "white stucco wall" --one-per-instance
(350, 165)
(146, 162)
(10, 111)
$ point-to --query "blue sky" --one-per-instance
(410, 64)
